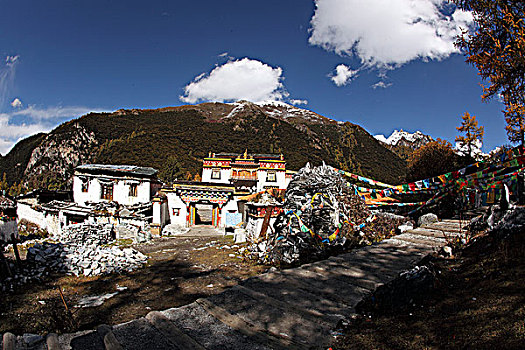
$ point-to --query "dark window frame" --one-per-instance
(85, 186)
(271, 176)
(216, 174)
(133, 190)
(106, 191)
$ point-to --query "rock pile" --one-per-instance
(22, 276)
(87, 260)
(82, 251)
(321, 215)
(127, 231)
(86, 234)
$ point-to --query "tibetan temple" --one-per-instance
(216, 200)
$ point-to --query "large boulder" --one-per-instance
(427, 219)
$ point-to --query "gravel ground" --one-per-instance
(179, 271)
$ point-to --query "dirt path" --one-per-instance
(179, 271)
(295, 308)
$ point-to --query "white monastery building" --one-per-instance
(124, 184)
(226, 177)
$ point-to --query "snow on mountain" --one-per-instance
(280, 110)
(477, 152)
(404, 138)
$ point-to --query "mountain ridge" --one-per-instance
(404, 143)
(146, 137)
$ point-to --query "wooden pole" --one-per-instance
(4, 260)
(15, 249)
(266, 221)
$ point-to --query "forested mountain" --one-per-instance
(190, 133)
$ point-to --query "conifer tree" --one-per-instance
(515, 118)
(434, 158)
(171, 170)
(497, 48)
(4, 186)
(473, 133)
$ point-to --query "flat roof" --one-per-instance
(250, 155)
(117, 169)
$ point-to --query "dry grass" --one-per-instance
(477, 303)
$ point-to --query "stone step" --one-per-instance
(419, 240)
(140, 334)
(414, 243)
(456, 221)
(68, 340)
(285, 323)
(436, 240)
(89, 341)
(306, 294)
(365, 273)
(180, 339)
(305, 312)
(383, 254)
(213, 334)
(433, 233)
(445, 227)
(254, 334)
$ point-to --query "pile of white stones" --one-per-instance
(83, 251)
(87, 260)
(86, 234)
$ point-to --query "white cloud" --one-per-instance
(11, 60)
(22, 123)
(7, 76)
(11, 133)
(343, 75)
(243, 79)
(386, 34)
(16, 103)
(52, 113)
(381, 84)
(298, 102)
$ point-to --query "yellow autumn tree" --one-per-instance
(515, 118)
(496, 46)
(473, 134)
(434, 158)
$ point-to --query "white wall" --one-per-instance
(49, 222)
(225, 175)
(262, 175)
(120, 190)
(230, 205)
(161, 214)
(254, 226)
(174, 201)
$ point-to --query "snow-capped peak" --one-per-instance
(477, 153)
(280, 110)
(398, 136)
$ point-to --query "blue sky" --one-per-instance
(397, 64)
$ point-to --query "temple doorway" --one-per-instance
(203, 214)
